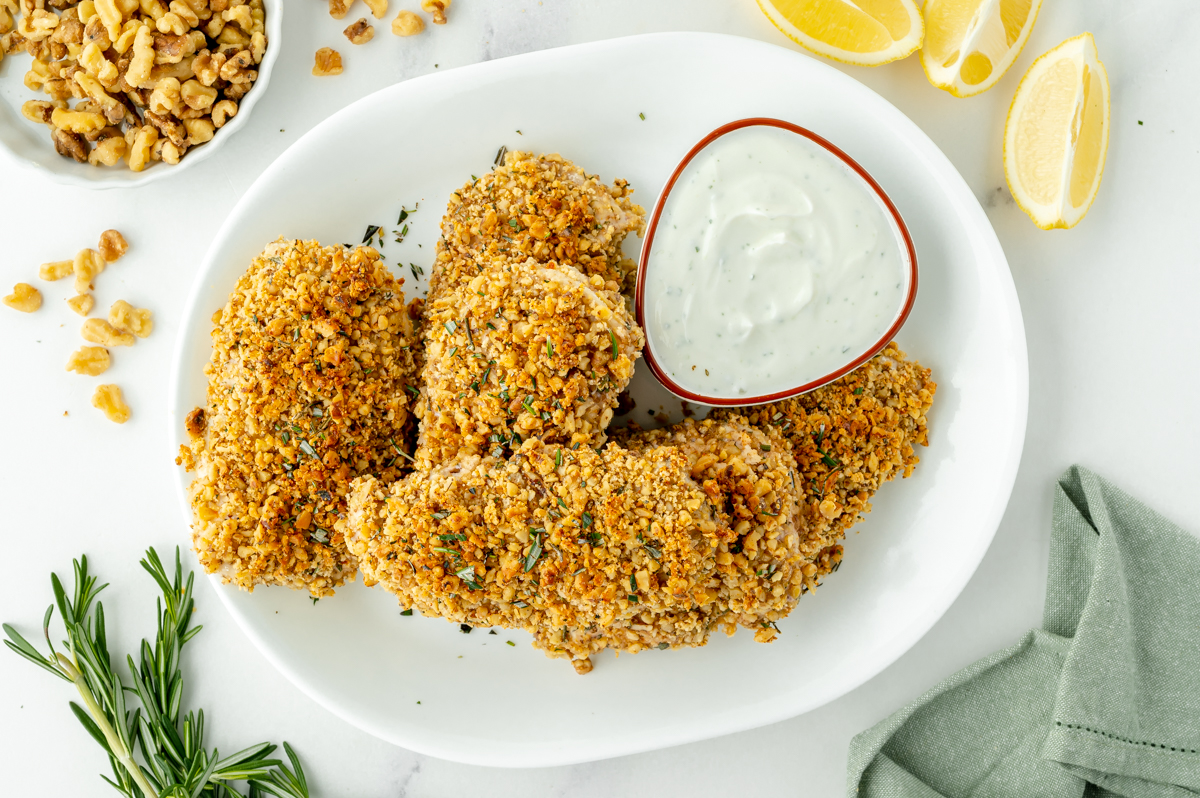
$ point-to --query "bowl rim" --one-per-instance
(639, 298)
(104, 179)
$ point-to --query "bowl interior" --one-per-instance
(855, 357)
(29, 145)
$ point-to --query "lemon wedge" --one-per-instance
(970, 44)
(863, 32)
(1056, 135)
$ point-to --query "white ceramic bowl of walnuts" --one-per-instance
(173, 84)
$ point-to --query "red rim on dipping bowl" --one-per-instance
(907, 251)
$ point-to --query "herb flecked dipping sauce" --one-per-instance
(773, 265)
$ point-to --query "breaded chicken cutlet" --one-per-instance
(309, 386)
(623, 549)
(542, 207)
(767, 562)
(849, 437)
(523, 349)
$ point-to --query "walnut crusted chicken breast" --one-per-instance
(523, 349)
(766, 552)
(849, 437)
(541, 207)
(583, 549)
(309, 386)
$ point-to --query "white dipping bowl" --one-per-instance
(29, 144)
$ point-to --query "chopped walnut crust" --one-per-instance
(573, 546)
(521, 350)
(850, 437)
(651, 547)
(144, 76)
(312, 359)
(544, 207)
(766, 554)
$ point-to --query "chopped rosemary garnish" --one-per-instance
(549, 348)
(439, 515)
(587, 519)
(406, 612)
(500, 153)
(451, 327)
(558, 462)
(372, 229)
(174, 759)
(535, 553)
(613, 337)
(858, 391)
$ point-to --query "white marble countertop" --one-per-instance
(1110, 316)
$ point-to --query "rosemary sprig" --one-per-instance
(173, 760)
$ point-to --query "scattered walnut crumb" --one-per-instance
(127, 318)
(360, 32)
(90, 361)
(112, 245)
(407, 23)
(99, 331)
(108, 398)
(81, 304)
(328, 62)
(437, 8)
(24, 298)
(88, 263)
(55, 270)
(195, 422)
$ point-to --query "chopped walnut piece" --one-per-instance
(99, 331)
(378, 8)
(407, 23)
(24, 298)
(127, 318)
(437, 8)
(338, 9)
(108, 398)
(199, 130)
(139, 150)
(56, 270)
(328, 62)
(87, 264)
(222, 112)
(69, 145)
(112, 245)
(195, 422)
(108, 152)
(360, 32)
(81, 304)
(38, 111)
(90, 361)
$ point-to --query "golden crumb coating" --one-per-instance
(750, 477)
(309, 386)
(628, 549)
(566, 544)
(851, 436)
(523, 349)
(542, 207)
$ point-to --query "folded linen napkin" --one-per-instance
(1103, 701)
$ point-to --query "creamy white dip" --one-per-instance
(773, 264)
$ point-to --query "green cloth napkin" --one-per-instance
(1103, 701)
